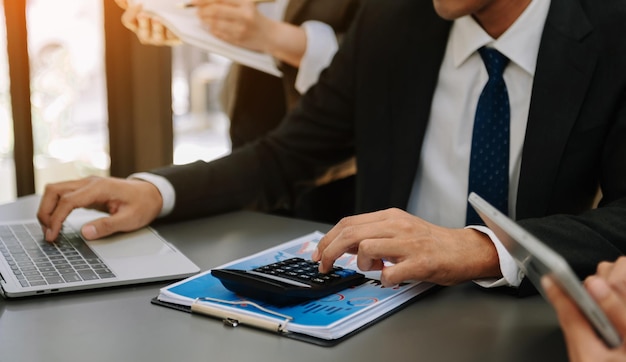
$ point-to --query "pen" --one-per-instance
(193, 5)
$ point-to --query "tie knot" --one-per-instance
(495, 62)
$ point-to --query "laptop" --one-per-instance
(536, 260)
(31, 266)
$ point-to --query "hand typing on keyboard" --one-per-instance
(132, 204)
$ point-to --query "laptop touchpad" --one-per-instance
(137, 243)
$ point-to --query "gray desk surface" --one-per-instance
(461, 323)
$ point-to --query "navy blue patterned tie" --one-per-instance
(489, 161)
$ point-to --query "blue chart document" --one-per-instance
(329, 318)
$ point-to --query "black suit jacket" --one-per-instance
(374, 102)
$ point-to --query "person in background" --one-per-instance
(303, 36)
(608, 288)
(402, 96)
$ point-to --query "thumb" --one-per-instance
(122, 3)
(102, 227)
(89, 231)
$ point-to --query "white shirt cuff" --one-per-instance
(321, 46)
(165, 188)
(512, 274)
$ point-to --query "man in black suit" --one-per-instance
(401, 95)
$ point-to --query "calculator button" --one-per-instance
(345, 272)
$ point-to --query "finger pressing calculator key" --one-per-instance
(287, 282)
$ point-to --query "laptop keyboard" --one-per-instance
(36, 262)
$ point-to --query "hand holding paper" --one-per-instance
(185, 24)
(192, 4)
(149, 29)
(242, 23)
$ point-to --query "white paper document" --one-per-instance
(184, 23)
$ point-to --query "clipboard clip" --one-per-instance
(230, 322)
(234, 319)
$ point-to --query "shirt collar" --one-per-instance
(520, 43)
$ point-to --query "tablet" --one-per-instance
(536, 259)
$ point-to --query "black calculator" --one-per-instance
(286, 282)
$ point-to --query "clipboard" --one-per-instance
(325, 322)
(226, 320)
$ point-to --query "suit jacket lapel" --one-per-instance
(413, 78)
(564, 68)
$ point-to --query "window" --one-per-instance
(62, 116)
(200, 126)
(52, 94)
(7, 164)
(68, 92)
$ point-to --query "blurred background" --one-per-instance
(70, 114)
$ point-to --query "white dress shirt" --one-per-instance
(443, 172)
(321, 45)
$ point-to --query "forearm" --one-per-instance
(286, 42)
(223, 185)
